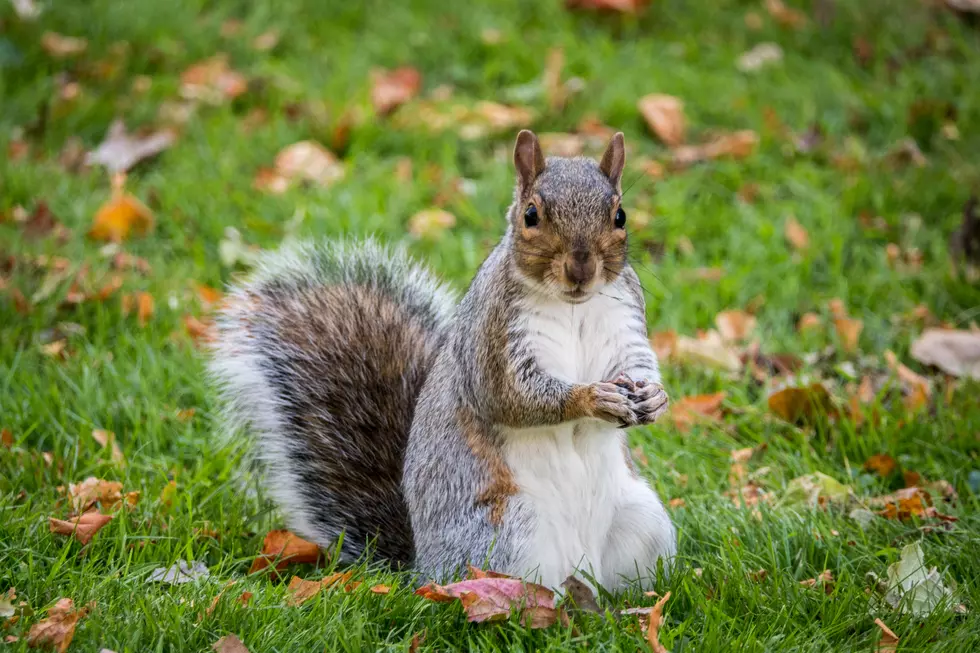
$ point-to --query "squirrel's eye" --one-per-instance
(531, 216)
(620, 218)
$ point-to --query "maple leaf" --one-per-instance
(83, 528)
(212, 81)
(664, 115)
(120, 150)
(119, 216)
(229, 644)
(58, 628)
(688, 411)
(108, 439)
(282, 548)
(430, 223)
(392, 88)
(955, 352)
(493, 599)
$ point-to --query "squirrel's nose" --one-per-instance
(580, 267)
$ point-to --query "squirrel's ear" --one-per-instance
(614, 160)
(528, 159)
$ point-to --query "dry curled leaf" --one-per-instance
(93, 490)
(282, 548)
(955, 352)
(796, 235)
(121, 150)
(889, 640)
(493, 599)
(801, 404)
(825, 580)
(907, 503)
(881, 463)
(83, 528)
(431, 223)
(688, 411)
(305, 161)
(380, 589)
(301, 590)
(229, 644)
(654, 621)
(735, 324)
(392, 88)
(848, 331)
(737, 145)
(108, 439)
(212, 81)
(664, 115)
(58, 628)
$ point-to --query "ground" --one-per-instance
(873, 74)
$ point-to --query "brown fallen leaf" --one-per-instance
(94, 490)
(301, 590)
(121, 215)
(431, 223)
(663, 343)
(108, 439)
(848, 331)
(796, 235)
(664, 115)
(283, 548)
(209, 297)
(955, 352)
(41, 222)
(889, 640)
(392, 88)
(244, 598)
(380, 589)
(266, 41)
(229, 644)
(801, 404)
(619, 6)
(881, 463)
(200, 331)
(121, 150)
(735, 325)
(555, 91)
(737, 145)
(6, 438)
(60, 46)
(58, 628)
(493, 599)
(824, 580)
(785, 16)
(305, 161)
(677, 502)
(708, 350)
(84, 527)
(654, 622)
(688, 411)
(216, 600)
(212, 81)
(759, 575)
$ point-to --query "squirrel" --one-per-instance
(488, 432)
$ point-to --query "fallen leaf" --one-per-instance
(283, 548)
(815, 490)
(796, 235)
(964, 243)
(245, 598)
(708, 350)
(301, 591)
(210, 297)
(212, 81)
(619, 6)
(688, 411)
(785, 16)
(309, 161)
(55, 349)
(229, 644)
(266, 41)
(848, 331)
(120, 150)
(168, 493)
(392, 88)
(955, 352)
(7, 603)
(889, 640)
(654, 622)
(431, 223)
(232, 250)
(801, 403)
(737, 145)
(735, 325)
(664, 115)
(565, 144)
(907, 503)
(763, 54)
(677, 502)
(41, 222)
(119, 216)
(58, 628)
(380, 589)
(911, 588)
(94, 490)
(179, 573)
(663, 343)
(554, 91)
(824, 580)
(61, 47)
(6, 438)
(84, 527)
(881, 463)
(758, 576)
(108, 439)
(581, 595)
(493, 599)
(199, 331)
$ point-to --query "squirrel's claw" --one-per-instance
(650, 403)
(612, 404)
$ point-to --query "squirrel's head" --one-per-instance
(569, 231)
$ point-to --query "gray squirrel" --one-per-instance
(488, 432)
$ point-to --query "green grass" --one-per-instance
(132, 380)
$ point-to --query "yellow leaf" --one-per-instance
(121, 215)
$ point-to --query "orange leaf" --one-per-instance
(677, 502)
(889, 640)
(60, 46)
(198, 330)
(808, 321)
(848, 331)
(6, 438)
(881, 463)
(58, 628)
(392, 88)
(493, 599)
(301, 591)
(663, 343)
(85, 494)
(735, 324)
(108, 439)
(796, 234)
(212, 81)
(654, 622)
(700, 408)
(283, 548)
(664, 115)
(380, 589)
(119, 216)
(83, 527)
(245, 598)
(795, 404)
(209, 296)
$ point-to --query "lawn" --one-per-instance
(830, 117)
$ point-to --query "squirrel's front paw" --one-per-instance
(607, 401)
(650, 402)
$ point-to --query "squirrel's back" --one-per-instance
(321, 355)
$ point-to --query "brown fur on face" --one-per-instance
(575, 246)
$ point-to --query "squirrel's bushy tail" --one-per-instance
(320, 356)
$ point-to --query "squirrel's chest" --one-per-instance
(579, 343)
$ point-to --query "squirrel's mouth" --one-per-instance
(576, 295)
